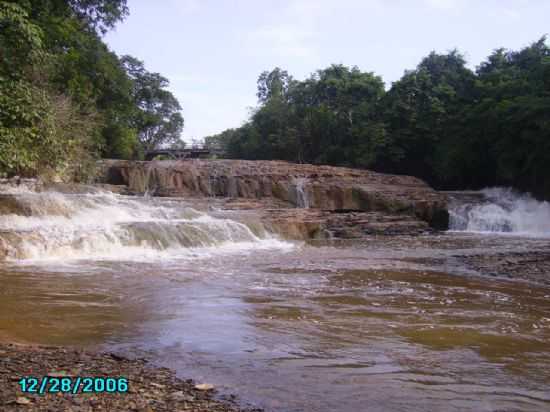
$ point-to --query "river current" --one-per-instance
(385, 323)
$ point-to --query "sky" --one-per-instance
(213, 51)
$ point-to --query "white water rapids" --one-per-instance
(51, 225)
(397, 323)
(500, 210)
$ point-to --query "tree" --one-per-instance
(95, 15)
(65, 97)
(102, 15)
(157, 118)
(344, 101)
(273, 85)
(81, 67)
(41, 130)
(422, 108)
(514, 102)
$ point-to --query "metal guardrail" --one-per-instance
(190, 153)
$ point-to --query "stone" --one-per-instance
(57, 374)
(21, 400)
(180, 396)
(204, 387)
(327, 188)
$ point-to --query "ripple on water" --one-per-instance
(311, 328)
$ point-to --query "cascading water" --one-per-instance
(499, 210)
(50, 225)
(302, 199)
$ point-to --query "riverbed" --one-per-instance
(398, 323)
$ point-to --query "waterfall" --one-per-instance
(51, 225)
(499, 210)
(302, 199)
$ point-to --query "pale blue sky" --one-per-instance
(212, 51)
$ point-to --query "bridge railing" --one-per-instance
(186, 153)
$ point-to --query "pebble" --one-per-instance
(21, 400)
(204, 387)
(150, 389)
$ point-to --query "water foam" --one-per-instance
(501, 210)
(53, 226)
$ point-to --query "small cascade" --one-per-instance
(148, 185)
(51, 225)
(499, 210)
(302, 199)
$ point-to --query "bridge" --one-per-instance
(190, 153)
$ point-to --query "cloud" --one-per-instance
(308, 9)
(443, 4)
(284, 40)
(305, 10)
(203, 118)
(297, 26)
(186, 78)
(293, 30)
(186, 6)
(506, 14)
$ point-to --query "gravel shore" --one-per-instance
(150, 389)
(530, 266)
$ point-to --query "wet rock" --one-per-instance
(532, 266)
(308, 224)
(306, 186)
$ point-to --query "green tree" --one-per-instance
(157, 118)
(512, 112)
(273, 85)
(421, 109)
(41, 131)
(66, 98)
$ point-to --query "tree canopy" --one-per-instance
(450, 125)
(65, 98)
(157, 119)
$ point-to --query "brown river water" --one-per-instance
(381, 324)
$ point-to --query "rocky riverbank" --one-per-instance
(532, 266)
(343, 202)
(150, 389)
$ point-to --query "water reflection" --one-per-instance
(393, 324)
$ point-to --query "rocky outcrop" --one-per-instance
(326, 188)
(305, 224)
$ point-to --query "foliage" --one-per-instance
(39, 130)
(65, 98)
(441, 121)
(157, 118)
(328, 118)
(504, 135)
(421, 109)
(95, 15)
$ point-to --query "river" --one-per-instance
(397, 323)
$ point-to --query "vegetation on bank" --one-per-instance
(443, 122)
(66, 99)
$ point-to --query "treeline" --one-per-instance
(66, 99)
(443, 122)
